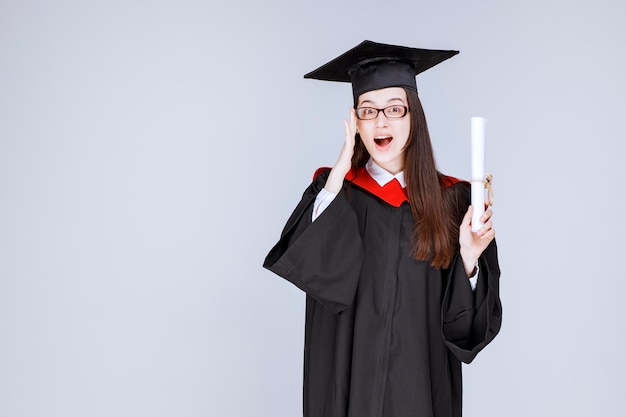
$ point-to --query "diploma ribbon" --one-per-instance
(488, 181)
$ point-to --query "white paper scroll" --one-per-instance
(478, 171)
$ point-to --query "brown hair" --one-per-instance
(434, 207)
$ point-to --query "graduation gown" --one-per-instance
(385, 334)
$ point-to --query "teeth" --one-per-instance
(383, 140)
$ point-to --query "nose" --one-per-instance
(381, 119)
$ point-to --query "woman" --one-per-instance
(399, 289)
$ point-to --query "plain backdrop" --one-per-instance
(151, 152)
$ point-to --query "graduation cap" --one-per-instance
(372, 66)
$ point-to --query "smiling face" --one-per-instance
(385, 138)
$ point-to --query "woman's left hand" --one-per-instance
(474, 243)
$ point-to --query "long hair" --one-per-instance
(433, 208)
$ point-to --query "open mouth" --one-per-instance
(383, 141)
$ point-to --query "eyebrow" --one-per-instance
(388, 101)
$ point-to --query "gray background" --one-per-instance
(151, 151)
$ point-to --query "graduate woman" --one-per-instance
(399, 289)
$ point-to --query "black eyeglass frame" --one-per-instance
(384, 110)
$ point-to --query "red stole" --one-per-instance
(392, 192)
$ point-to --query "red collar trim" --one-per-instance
(392, 193)
(447, 181)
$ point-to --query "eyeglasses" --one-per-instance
(392, 112)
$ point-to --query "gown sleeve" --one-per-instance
(470, 320)
(323, 258)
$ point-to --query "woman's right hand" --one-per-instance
(344, 161)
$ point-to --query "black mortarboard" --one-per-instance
(372, 66)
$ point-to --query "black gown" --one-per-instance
(385, 333)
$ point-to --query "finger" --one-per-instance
(487, 234)
(490, 235)
(349, 132)
(486, 216)
(353, 121)
(487, 227)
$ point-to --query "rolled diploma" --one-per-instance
(478, 171)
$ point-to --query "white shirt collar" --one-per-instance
(381, 175)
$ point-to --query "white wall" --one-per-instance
(151, 151)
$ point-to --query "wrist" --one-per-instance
(335, 180)
(470, 264)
